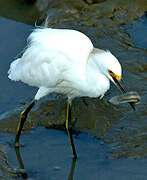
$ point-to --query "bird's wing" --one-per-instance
(52, 55)
(39, 68)
(74, 44)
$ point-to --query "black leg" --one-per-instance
(69, 130)
(84, 101)
(22, 119)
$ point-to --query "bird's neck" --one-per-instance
(97, 82)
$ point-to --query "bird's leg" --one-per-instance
(22, 119)
(84, 101)
(69, 129)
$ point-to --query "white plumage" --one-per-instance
(64, 61)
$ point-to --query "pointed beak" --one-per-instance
(123, 91)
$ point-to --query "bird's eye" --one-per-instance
(110, 72)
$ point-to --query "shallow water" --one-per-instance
(112, 144)
(13, 40)
(52, 158)
(138, 30)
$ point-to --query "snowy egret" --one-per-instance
(64, 61)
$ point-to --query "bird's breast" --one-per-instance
(97, 84)
(93, 86)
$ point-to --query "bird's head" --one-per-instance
(111, 68)
(109, 65)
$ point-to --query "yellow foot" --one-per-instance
(22, 112)
(18, 144)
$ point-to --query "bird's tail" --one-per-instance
(13, 71)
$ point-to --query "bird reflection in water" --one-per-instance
(21, 170)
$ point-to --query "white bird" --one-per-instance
(64, 61)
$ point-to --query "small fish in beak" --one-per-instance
(123, 91)
(129, 97)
